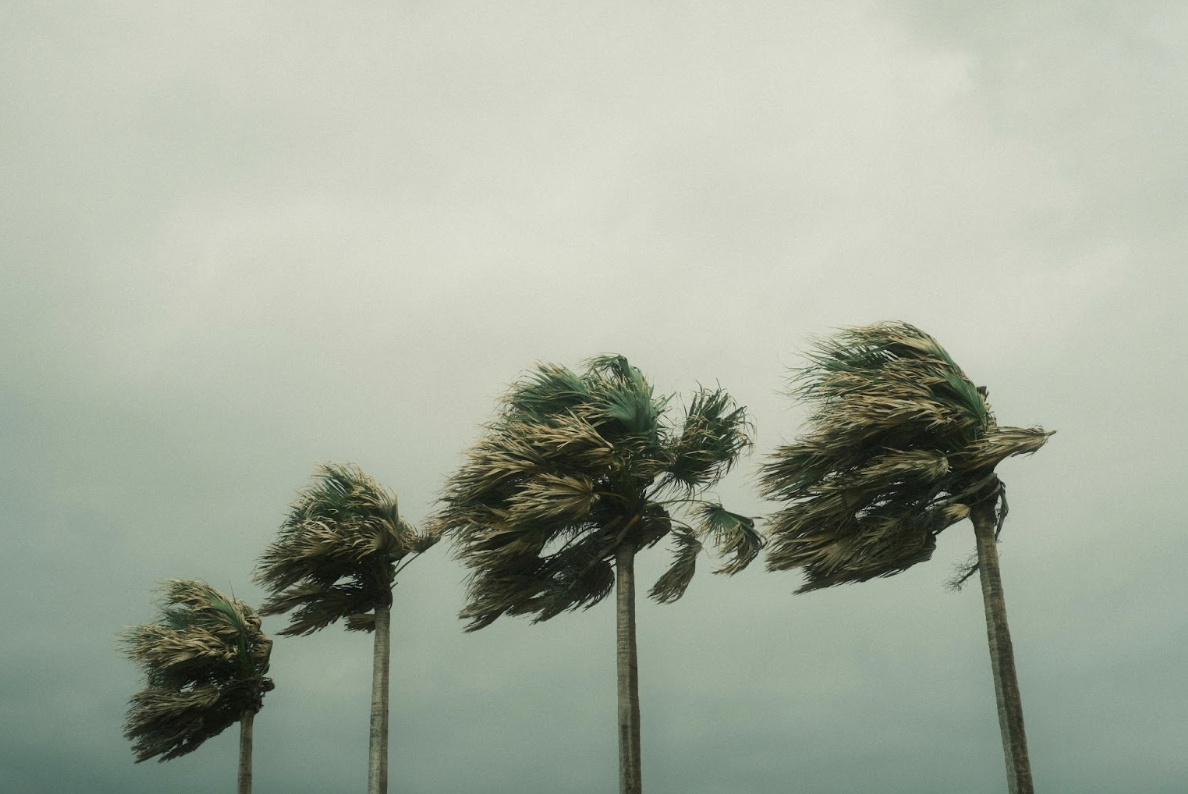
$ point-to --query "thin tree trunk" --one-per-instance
(1002, 654)
(630, 778)
(377, 765)
(244, 782)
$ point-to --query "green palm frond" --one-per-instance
(673, 583)
(578, 577)
(572, 467)
(733, 534)
(205, 663)
(547, 392)
(622, 402)
(898, 443)
(336, 553)
(714, 435)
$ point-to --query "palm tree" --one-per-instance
(575, 475)
(900, 445)
(205, 661)
(336, 558)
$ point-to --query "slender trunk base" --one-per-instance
(244, 783)
(377, 762)
(1002, 654)
(630, 778)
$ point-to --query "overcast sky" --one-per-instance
(240, 239)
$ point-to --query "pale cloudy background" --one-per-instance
(243, 238)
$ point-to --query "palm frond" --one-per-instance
(673, 583)
(621, 397)
(714, 435)
(314, 607)
(421, 541)
(577, 578)
(169, 723)
(1002, 443)
(549, 391)
(733, 534)
(552, 497)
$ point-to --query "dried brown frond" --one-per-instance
(1002, 443)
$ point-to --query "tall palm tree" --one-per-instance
(575, 475)
(900, 445)
(205, 661)
(336, 558)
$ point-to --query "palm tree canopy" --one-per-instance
(204, 661)
(337, 552)
(575, 466)
(899, 443)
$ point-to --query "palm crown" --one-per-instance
(205, 662)
(900, 443)
(575, 466)
(337, 553)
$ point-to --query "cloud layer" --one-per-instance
(241, 240)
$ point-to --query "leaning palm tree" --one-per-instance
(336, 558)
(900, 445)
(575, 475)
(205, 662)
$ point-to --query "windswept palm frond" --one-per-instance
(573, 466)
(732, 533)
(204, 662)
(178, 654)
(1001, 443)
(166, 723)
(673, 583)
(548, 497)
(899, 442)
(336, 553)
(314, 606)
(714, 435)
(547, 392)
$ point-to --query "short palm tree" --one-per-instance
(205, 661)
(575, 475)
(900, 445)
(336, 558)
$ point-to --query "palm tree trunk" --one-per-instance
(630, 779)
(377, 762)
(1002, 654)
(244, 783)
